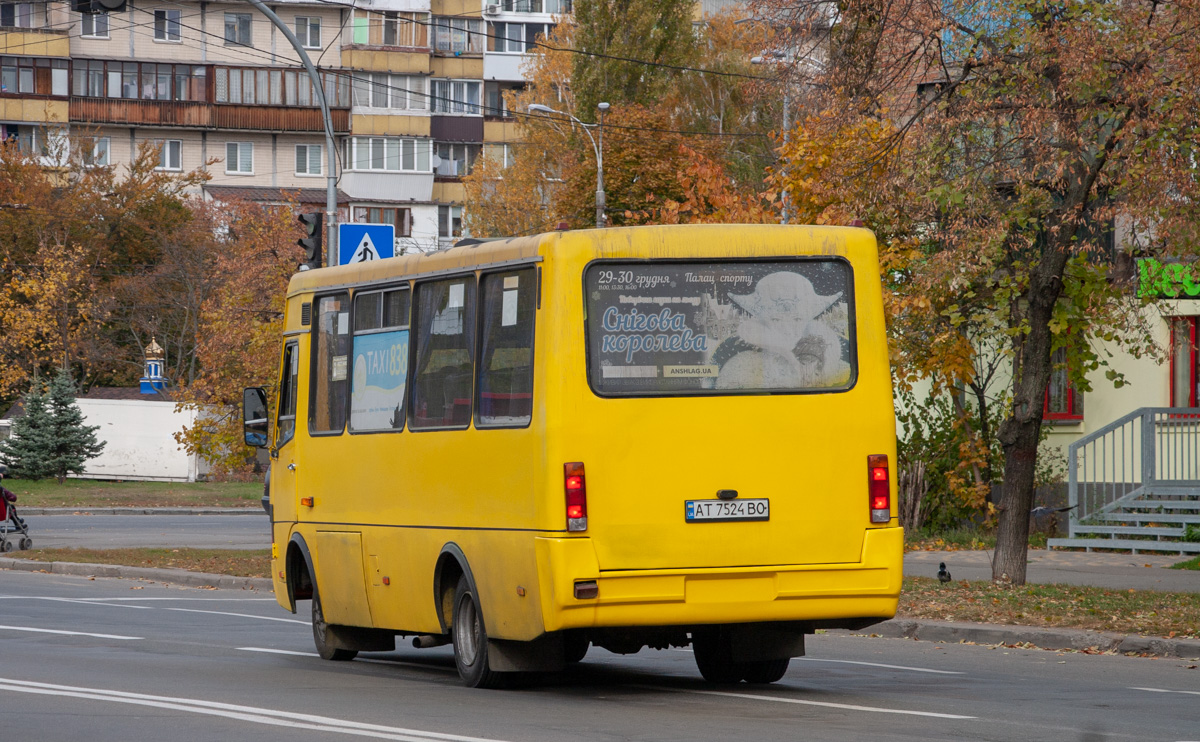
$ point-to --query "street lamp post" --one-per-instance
(597, 148)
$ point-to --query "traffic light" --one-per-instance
(311, 242)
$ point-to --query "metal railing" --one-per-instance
(1152, 448)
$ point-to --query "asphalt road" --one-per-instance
(118, 660)
(133, 531)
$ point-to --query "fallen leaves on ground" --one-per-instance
(1148, 612)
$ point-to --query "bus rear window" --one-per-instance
(667, 328)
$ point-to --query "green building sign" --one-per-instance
(1167, 280)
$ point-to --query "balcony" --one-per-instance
(34, 42)
(202, 115)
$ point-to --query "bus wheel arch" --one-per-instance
(452, 566)
(298, 569)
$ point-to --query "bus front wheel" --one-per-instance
(321, 634)
(470, 640)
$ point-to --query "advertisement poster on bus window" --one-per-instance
(380, 371)
(720, 328)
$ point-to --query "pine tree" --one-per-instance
(50, 440)
(73, 442)
(29, 452)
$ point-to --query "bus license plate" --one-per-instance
(726, 510)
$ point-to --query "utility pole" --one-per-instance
(331, 166)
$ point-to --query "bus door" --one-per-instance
(283, 454)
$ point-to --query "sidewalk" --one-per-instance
(1096, 569)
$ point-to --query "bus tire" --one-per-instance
(764, 671)
(575, 647)
(470, 640)
(713, 651)
(321, 634)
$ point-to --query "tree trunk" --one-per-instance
(1020, 432)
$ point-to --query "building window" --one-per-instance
(308, 31)
(401, 219)
(170, 154)
(239, 158)
(167, 25)
(94, 25)
(517, 38)
(237, 29)
(149, 81)
(391, 28)
(1063, 400)
(450, 222)
(458, 35)
(33, 76)
(95, 152)
(255, 86)
(31, 140)
(381, 90)
(16, 15)
(308, 159)
(457, 96)
(1184, 360)
(391, 154)
(553, 7)
(456, 158)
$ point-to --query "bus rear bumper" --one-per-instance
(828, 595)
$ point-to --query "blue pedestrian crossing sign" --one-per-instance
(358, 243)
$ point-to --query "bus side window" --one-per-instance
(444, 368)
(330, 371)
(380, 361)
(285, 423)
(504, 392)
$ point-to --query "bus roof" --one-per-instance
(731, 240)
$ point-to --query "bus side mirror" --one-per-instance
(254, 416)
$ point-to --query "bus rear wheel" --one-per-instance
(470, 640)
(321, 634)
(714, 656)
(764, 671)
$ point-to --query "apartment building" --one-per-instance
(415, 89)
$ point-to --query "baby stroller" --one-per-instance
(13, 529)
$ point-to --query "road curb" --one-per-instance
(172, 576)
(951, 632)
(255, 510)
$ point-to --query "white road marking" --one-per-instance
(243, 713)
(802, 702)
(69, 633)
(267, 650)
(239, 615)
(132, 600)
(878, 664)
(1164, 690)
(80, 600)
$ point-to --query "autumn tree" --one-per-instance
(1005, 139)
(69, 232)
(239, 325)
(683, 120)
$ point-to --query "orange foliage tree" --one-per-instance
(239, 324)
(994, 145)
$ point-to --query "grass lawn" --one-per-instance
(962, 539)
(1175, 615)
(1193, 563)
(239, 563)
(89, 493)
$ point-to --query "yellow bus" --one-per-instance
(620, 438)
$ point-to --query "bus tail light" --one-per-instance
(575, 486)
(878, 488)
